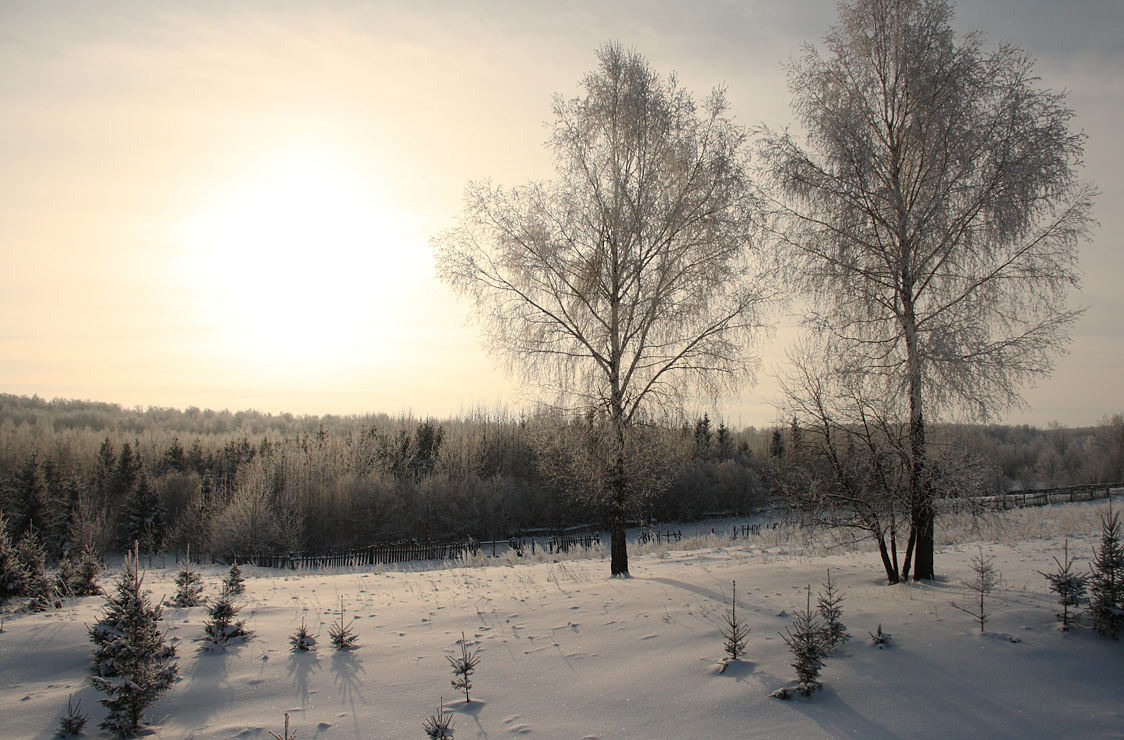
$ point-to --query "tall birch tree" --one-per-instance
(626, 285)
(932, 218)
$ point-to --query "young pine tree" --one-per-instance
(223, 626)
(828, 605)
(40, 589)
(1106, 581)
(439, 726)
(733, 630)
(189, 586)
(302, 640)
(985, 579)
(342, 635)
(806, 642)
(1069, 586)
(234, 582)
(80, 577)
(131, 663)
(464, 665)
(12, 574)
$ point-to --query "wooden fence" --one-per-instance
(1047, 496)
(391, 552)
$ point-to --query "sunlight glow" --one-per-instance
(303, 263)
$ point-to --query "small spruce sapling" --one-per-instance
(80, 577)
(733, 630)
(302, 640)
(234, 582)
(342, 635)
(223, 626)
(806, 641)
(1106, 581)
(286, 736)
(41, 590)
(1069, 586)
(131, 663)
(73, 722)
(439, 726)
(828, 605)
(189, 585)
(880, 638)
(464, 665)
(984, 580)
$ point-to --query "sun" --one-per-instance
(301, 260)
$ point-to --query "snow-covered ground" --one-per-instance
(568, 652)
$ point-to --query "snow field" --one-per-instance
(568, 652)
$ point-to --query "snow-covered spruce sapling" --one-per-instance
(79, 577)
(1069, 586)
(733, 629)
(828, 605)
(234, 582)
(984, 580)
(223, 626)
(73, 722)
(880, 638)
(189, 585)
(1106, 580)
(42, 590)
(464, 665)
(342, 635)
(439, 726)
(806, 641)
(302, 640)
(286, 736)
(131, 663)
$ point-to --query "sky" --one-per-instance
(230, 204)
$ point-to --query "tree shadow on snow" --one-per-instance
(301, 666)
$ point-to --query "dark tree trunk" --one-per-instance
(887, 562)
(618, 545)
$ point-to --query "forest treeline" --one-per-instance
(86, 473)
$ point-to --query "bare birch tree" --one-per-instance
(626, 285)
(933, 220)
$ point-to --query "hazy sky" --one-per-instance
(229, 204)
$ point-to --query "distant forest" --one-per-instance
(86, 473)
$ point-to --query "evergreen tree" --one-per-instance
(1106, 582)
(131, 663)
(733, 630)
(37, 586)
(223, 626)
(234, 582)
(189, 586)
(342, 635)
(78, 577)
(464, 666)
(12, 574)
(806, 642)
(1069, 586)
(828, 605)
(144, 519)
(28, 493)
